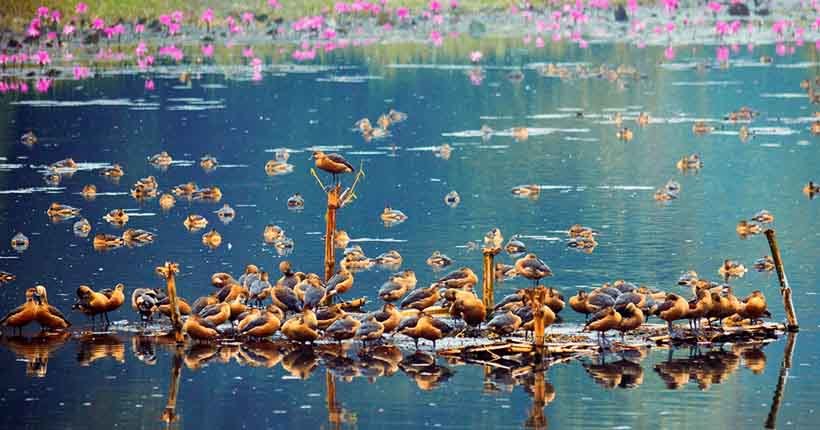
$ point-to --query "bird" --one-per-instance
(370, 329)
(428, 328)
(602, 321)
(531, 267)
(391, 291)
(631, 318)
(116, 297)
(217, 313)
(315, 292)
(117, 217)
(195, 222)
(200, 329)
(285, 298)
(745, 228)
(334, 164)
(699, 308)
(439, 260)
(48, 316)
(389, 317)
(504, 324)
(463, 278)
(389, 258)
(421, 298)
(578, 303)
(298, 328)
(753, 307)
(763, 217)
(672, 309)
(145, 302)
(468, 308)
(22, 315)
(343, 329)
(260, 289)
(91, 303)
(265, 324)
(339, 284)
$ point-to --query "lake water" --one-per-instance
(587, 176)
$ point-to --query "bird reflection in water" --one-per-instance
(625, 372)
(710, 367)
(423, 369)
(36, 350)
(93, 347)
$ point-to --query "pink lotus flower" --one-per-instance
(43, 85)
(403, 13)
(23, 87)
(139, 28)
(165, 20)
(526, 39)
(43, 58)
(274, 4)
(51, 35)
(722, 54)
(208, 50)
(68, 30)
(81, 8)
(476, 76)
(780, 49)
(143, 63)
(438, 19)
(435, 6)
(33, 31)
(436, 38)
(632, 5)
(539, 42)
(476, 56)
(669, 53)
(207, 16)
(177, 16)
(42, 12)
(247, 17)
(98, 23)
(141, 49)
(149, 85)
(81, 72)
(55, 16)
(714, 6)
(329, 33)
(247, 52)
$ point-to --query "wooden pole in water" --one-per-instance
(785, 365)
(537, 296)
(785, 290)
(536, 418)
(334, 415)
(488, 278)
(169, 414)
(333, 203)
(169, 271)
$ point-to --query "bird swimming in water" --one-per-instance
(161, 160)
(764, 264)
(195, 222)
(452, 199)
(389, 258)
(732, 269)
(531, 191)
(391, 216)
(463, 278)
(212, 239)
(439, 260)
(117, 217)
(334, 164)
(89, 192)
(62, 212)
(745, 228)
(763, 217)
(226, 214)
(208, 163)
(624, 134)
(296, 202)
(113, 172)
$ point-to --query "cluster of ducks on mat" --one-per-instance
(304, 308)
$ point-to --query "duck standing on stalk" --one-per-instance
(531, 267)
(335, 164)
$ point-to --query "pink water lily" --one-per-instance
(68, 30)
(149, 85)
(247, 17)
(208, 50)
(43, 58)
(43, 85)
(42, 12)
(632, 5)
(207, 16)
(434, 6)
(247, 52)
(139, 28)
(476, 56)
(669, 53)
(81, 72)
(436, 38)
(81, 8)
(274, 4)
(55, 16)
(722, 54)
(98, 23)
(141, 49)
(714, 6)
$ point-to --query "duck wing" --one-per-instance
(441, 325)
(597, 316)
(452, 276)
(288, 298)
(408, 322)
(210, 310)
(11, 313)
(256, 322)
(336, 158)
(313, 297)
(415, 296)
(601, 300)
(512, 298)
(665, 306)
(56, 312)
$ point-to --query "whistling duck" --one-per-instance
(145, 188)
(531, 267)
(133, 237)
(689, 162)
(643, 119)
(116, 297)
(327, 315)
(811, 188)
(701, 127)
(554, 300)
(166, 201)
(514, 300)
(493, 238)
(339, 284)
(28, 138)
(732, 269)
(164, 306)
(238, 305)
(663, 195)
(577, 230)
(363, 125)
(396, 116)
(463, 278)
(200, 329)
(273, 233)
(208, 163)
(144, 301)
(631, 318)
(195, 222)
(212, 239)
(117, 217)
(260, 289)
(221, 279)
(289, 279)
(370, 329)
(356, 261)
(392, 216)
(299, 329)
(723, 305)
(263, 325)
(57, 210)
(315, 292)
(520, 133)
(452, 199)
(444, 151)
(528, 323)
(526, 190)
(107, 241)
(578, 303)
(52, 179)
(618, 119)
(91, 303)
(89, 192)
(22, 315)
(421, 298)
(699, 308)
(389, 258)
(389, 317)
(114, 171)
(48, 316)
(161, 160)
(439, 260)
(334, 164)
(340, 239)
(82, 227)
(216, 313)
(284, 298)
(763, 217)
(672, 309)
(296, 201)
(602, 321)
(185, 190)
(754, 307)
(6, 277)
(226, 214)
(745, 228)
(383, 121)
(583, 243)
(504, 324)
(428, 328)
(504, 271)
(764, 264)
(815, 127)
(212, 194)
(624, 134)
(391, 291)
(19, 242)
(468, 308)
(66, 164)
(343, 328)
(277, 167)
(515, 247)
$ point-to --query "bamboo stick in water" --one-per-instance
(785, 290)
